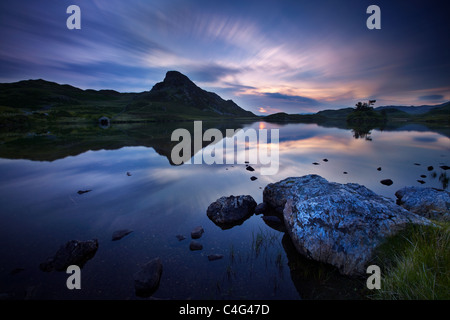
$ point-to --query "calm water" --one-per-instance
(41, 210)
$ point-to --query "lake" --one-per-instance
(135, 186)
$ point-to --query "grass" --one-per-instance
(416, 264)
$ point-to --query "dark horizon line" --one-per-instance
(303, 113)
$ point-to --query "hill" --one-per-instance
(413, 110)
(36, 102)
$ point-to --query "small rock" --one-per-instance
(73, 252)
(345, 172)
(213, 257)
(421, 181)
(315, 163)
(261, 208)
(146, 280)
(227, 212)
(180, 237)
(119, 234)
(387, 182)
(250, 168)
(417, 164)
(379, 168)
(423, 176)
(195, 245)
(430, 168)
(253, 178)
(83, 191)
(444, 167)
(128, 174)
(197, 232)
(325, 160)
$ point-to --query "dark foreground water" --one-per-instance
(41, 210)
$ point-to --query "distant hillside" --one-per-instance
(414, 110)
(37, 102)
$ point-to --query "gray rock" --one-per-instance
(119, 234)
(339, 224)
(197, 232)
(427, 202)
(74, 252)
(227, 212)
(146, 280)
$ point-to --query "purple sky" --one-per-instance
(267, 56)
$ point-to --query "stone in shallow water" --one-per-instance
(339, 224)
(195, 245)
(119, 234)
(227, 212)
(146, 280)
(197, 232)
(74, 252)
(213, 257)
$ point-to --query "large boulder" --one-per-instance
(427, 202)
(227, 212)
(74, 252)
(339, 224)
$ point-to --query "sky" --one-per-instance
(267, 56)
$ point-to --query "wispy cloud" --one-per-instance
(279, 55)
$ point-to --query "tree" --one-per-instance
(364, 106)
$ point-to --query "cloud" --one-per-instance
(432, 97)
(211, 72)
(297, 99)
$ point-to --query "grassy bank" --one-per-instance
(416, 264)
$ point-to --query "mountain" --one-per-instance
(414, 110)
(179, 89)
(38, 102)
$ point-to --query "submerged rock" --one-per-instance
(339, 224)
(197, 232)
(260, 208)
(213, 257)
(227, 212)
(74, 252)
(195, 245)
(180, 237)
(119, 234)
(146, 280)
(274, 222)
(427, 202)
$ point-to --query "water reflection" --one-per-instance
(41, 208)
